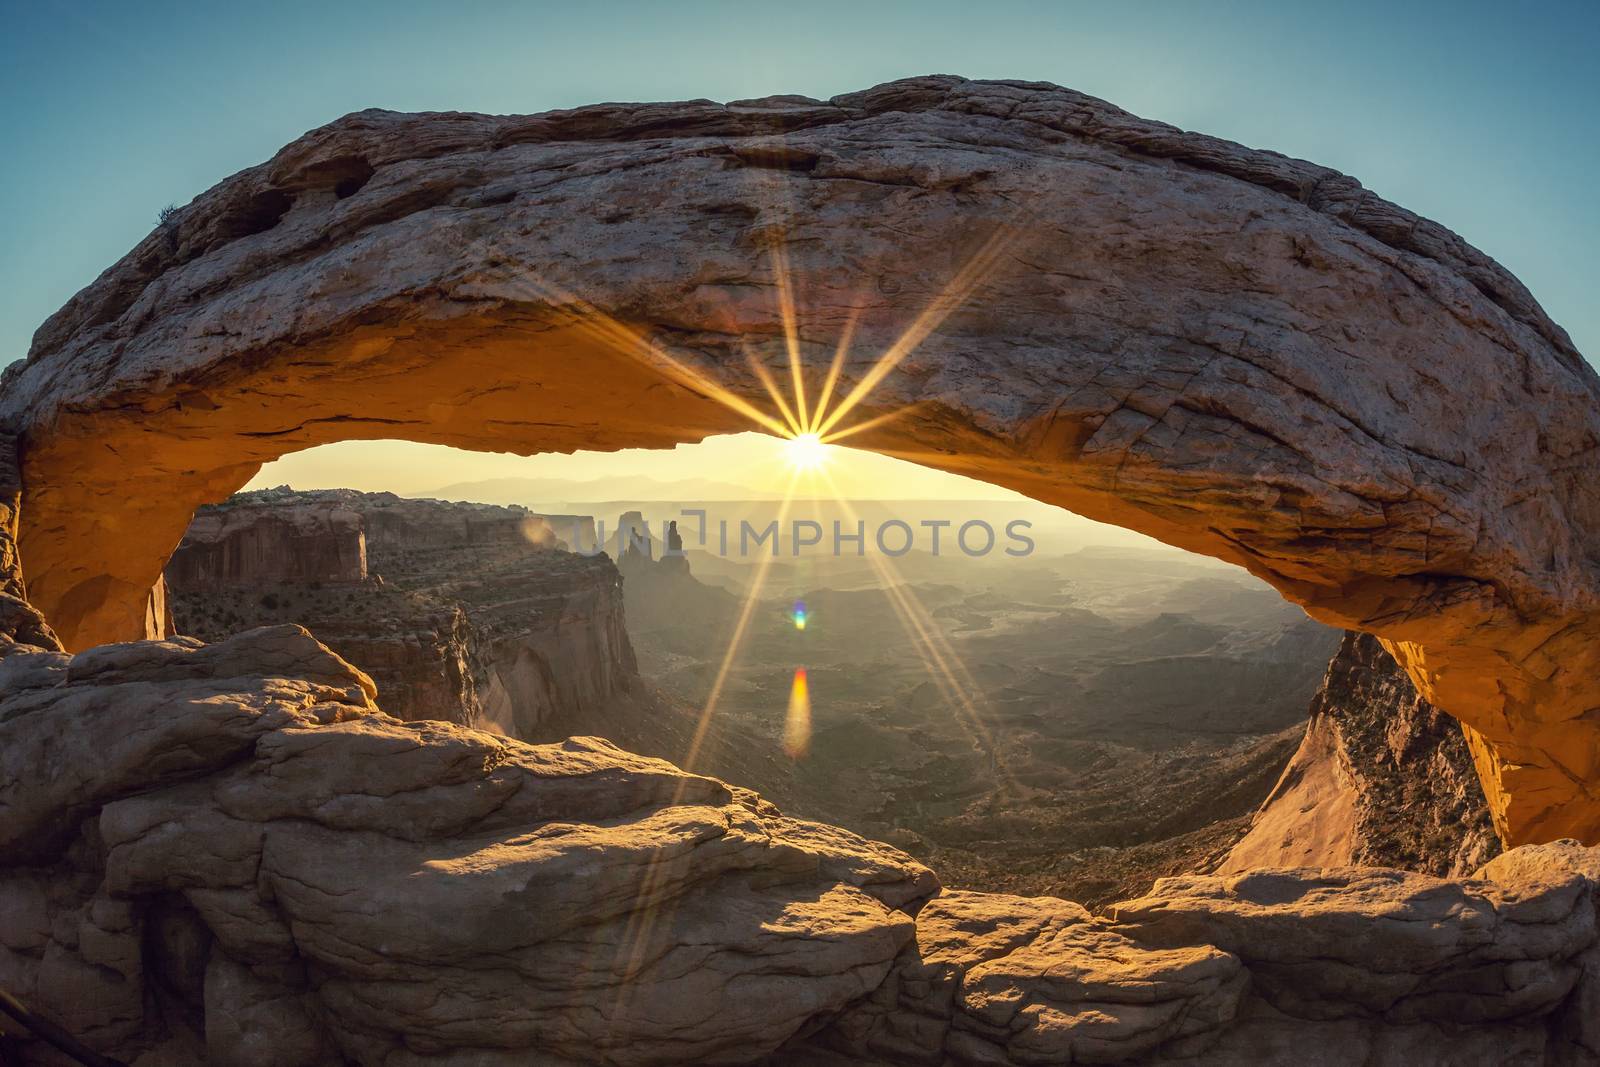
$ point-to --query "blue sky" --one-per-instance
(1483, 116)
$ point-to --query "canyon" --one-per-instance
(467, 613)
(210, 859)
(227, 852)
(1101, 766)
(1244, 355)
(1067, 752)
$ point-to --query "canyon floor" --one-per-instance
(1073, 725)
(300, 864)
(440, 838)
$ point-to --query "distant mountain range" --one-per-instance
(1054, 529)
(597, 490)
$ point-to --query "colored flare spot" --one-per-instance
(797, 723)
(799, 614)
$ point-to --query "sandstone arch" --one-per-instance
(1239, 353)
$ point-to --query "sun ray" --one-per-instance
(791, 329)
(822, 423)
(932, 641)
(840, 350)
(974, 273)
(600, 326)
(773, 189)
(645, 913)
(931, 647)
(736, 641)
(868, 424)
(967, 713)
(806, 452)
(945, 667)
(941, 659)
(764, 376)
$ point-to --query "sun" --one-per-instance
(806, 451)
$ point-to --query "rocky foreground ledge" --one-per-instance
(227, 854)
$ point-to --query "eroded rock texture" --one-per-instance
(1239, 353)
(1335, 966)
(225, 854)
(258, 548)
(20, 621)
(470, 613)
(1381, 779)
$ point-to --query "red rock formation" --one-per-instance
(226, 854)
(1382, 778)
(1241, 354)
(255, 548)
(471, 616)
(545, 632)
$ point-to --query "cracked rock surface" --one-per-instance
(226, 854)
(1239, 353)
(1277, 966)
(1381, 779)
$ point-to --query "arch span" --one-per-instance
(1239, 353)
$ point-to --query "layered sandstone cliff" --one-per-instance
(425, 535)
(551, 644)
(250, 547)
(1381, 778)
(468, 613)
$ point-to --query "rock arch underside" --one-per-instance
(1242, 354)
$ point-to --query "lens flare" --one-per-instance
(797, 723)
(809, 426)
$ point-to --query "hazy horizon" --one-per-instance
(753, 462)
(750, 470)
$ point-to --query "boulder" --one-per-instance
(226, 854)
(1288, 966)
(228, 848)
